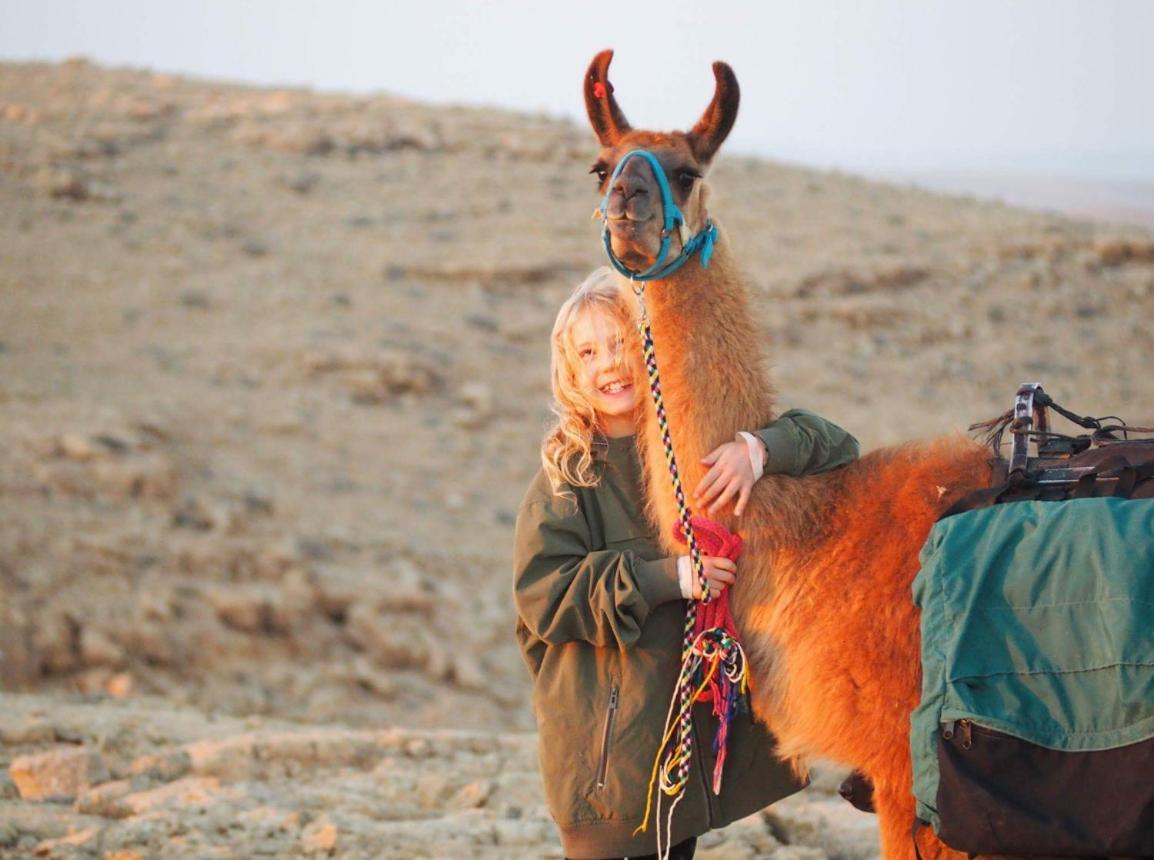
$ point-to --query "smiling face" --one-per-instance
(606, 370)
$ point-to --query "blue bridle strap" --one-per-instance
(673, 220)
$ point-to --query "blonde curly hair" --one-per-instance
(567, 450)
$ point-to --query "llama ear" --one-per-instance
(717, 121)
(609, 124)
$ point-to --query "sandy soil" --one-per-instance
(273, 374)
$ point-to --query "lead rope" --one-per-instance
(715, 646)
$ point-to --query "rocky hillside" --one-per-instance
(273, 374)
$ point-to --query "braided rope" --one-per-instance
(685, 694)
(706, 643)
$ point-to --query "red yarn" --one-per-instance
(722, 691)
(713, 539)
(599, 90)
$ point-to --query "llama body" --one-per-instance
(822, 598)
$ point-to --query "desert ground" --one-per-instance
(273, 374)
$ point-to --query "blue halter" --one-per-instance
(674, 220)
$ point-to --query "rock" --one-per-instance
(88, 838)
(192, 513)
(8, 790)
(54, 642)
(400, 587)
(826, 823)
(247, 607)
(362, 673)
(1113, 251)
(106, 801)
(320, 837)
(198, 299)
(63, 183)
(57, 774)
(189, 791)
(121, 685)
(76, 446)
(300, 138)
(27, 732)
(164, 766)
(255, 248)
(301, 183)
(86, 468)
(377, 378)
(472, 795)
(394, 642)
(97, 649)
(476, 405)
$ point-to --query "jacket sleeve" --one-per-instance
(566, 591)
(802, 443)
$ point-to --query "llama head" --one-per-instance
(634, 214)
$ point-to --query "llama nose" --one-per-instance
(630, 197)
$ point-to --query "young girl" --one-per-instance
(601, 609)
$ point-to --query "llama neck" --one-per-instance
(712, 368)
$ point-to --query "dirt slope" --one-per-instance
(273, 373)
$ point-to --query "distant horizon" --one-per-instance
(1120, 166)
(1045, 91)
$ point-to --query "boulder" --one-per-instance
(59, 774)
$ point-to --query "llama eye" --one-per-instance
(600, 171)
(686, 178)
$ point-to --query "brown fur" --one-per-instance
(823, 593)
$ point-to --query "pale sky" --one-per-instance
(1060, 87)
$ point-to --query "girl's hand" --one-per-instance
(730, 475)
(720, 573)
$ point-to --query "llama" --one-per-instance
(823, 596)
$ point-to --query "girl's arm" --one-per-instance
(802, 443)
(797, 443)
(566, 591)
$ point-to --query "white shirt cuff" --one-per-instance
(685, 576)
(756, 453)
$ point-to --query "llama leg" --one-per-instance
(895, 809)
(896, 823)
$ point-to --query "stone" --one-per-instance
(301, 183)
(320, 837)
(392, 641)
(164, 766)
(88, 838)
(57, 774)
(97, 649)
(76, 446)
(121, 685)
(247, 607)
(105, 800)
(140, 475)
(8, 790)
(186, 792)
(472, 795)
(63, 183)
(27, 732)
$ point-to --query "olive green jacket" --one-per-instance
(600, 622)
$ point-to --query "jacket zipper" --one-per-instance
(606, 736)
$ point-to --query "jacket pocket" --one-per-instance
(607, 738)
